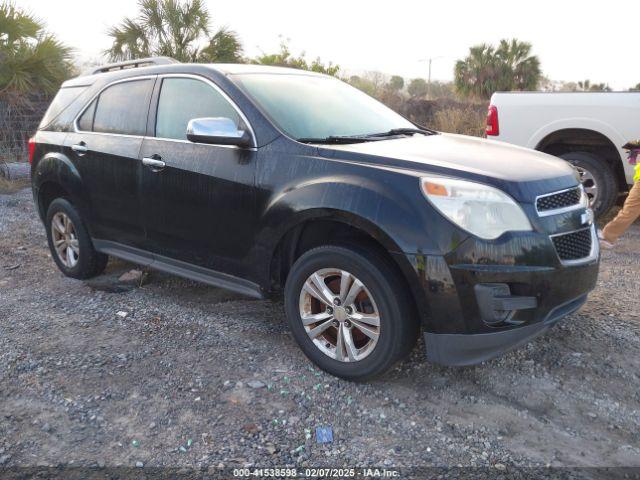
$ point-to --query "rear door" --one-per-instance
(105, 147)
(199, 207)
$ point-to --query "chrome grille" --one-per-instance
(574, 245)
(559, 200)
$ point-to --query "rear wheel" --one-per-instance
(597, 179)
(70, 244)
(349, 312)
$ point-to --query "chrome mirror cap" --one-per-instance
(217, 130)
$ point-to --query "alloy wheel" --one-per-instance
(65, 240)
(339, 315)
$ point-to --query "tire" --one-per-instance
(83, 261)
(384, 294)
(595, 172)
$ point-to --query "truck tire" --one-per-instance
(349, 311)
(597, 179)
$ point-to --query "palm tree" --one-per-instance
(173, 28)
(224, 46)
(521, 68)
(584, 85)
(487, 69)
(34, 63)
(587, 86)
(479, 73)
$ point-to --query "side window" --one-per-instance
(85, 122)
(183, 99)
(123, 107)
(64, 98)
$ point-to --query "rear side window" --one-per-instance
(122, 108)
(85, 122)
(60, 102)
(183, 99)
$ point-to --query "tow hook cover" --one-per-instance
(497, 305)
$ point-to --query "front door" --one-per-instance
(105, 149)
(197, 200)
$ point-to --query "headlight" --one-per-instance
(479, 209)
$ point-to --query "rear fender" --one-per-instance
(56, 168)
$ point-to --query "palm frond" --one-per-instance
(130, 40)
(33, 62)
(16, 25)
(223, 47)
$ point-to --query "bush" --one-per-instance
(465, 120)
(442, 114)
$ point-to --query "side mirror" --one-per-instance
(219, 130)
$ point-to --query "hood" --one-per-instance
(521, 172)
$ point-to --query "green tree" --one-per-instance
(364, 84)
(284, 58)
(418, 87)
(636, 88)
(396, 83)
(223, 47)
(488, 69)
(174, 28)
(519, 68)
(33, 61)
(477, 75)
(440, 89)
(587, 86)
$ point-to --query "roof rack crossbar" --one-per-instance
(139, 62)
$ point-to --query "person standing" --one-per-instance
(630, 210)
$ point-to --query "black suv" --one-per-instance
(261, 179)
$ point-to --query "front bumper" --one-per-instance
(539, 287)
(460, 349)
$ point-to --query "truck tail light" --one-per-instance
(493, 127)
(31, 148)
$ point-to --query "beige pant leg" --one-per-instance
(629, 213)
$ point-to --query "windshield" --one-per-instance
(307, 106)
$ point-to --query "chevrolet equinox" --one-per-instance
(264, 180)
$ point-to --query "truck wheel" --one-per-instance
(70, 244)
(349, 311)
(597, 179)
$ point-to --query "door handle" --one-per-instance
(80, 148)
(154, 163)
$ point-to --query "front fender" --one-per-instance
(391, 209)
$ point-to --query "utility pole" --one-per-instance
(429, 80)
(430, 60)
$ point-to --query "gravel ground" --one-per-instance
(174, 373)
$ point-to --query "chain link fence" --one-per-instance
(17, 124)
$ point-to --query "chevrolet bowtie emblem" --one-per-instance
(587, 217)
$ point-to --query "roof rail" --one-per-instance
(140, 62)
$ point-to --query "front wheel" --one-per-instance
(349, 311)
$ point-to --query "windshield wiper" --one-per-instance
(369, 137)
(403, 131)
(338, 140)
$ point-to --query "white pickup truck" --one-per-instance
(587, 129)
